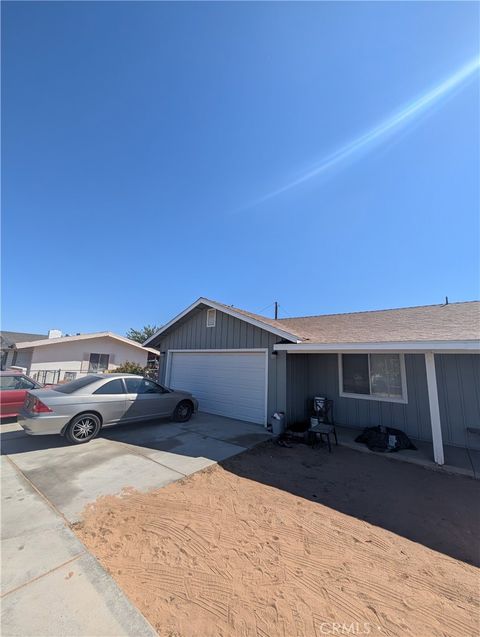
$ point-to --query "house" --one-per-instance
(417, 369)
(63, 358)
(9, 353)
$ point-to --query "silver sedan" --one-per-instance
(79, 409)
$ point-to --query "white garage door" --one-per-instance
(226, 383)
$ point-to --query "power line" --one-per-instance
(284, 310)
(266, 307)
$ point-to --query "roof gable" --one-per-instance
(261, 322)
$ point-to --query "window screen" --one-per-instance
(355, 374)
(385, 375)
(373, 375)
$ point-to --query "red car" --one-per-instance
(13, 388)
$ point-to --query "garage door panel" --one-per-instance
(228, 384)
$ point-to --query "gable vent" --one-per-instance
(211, 317)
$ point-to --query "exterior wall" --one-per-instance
(20, 358)
(458, 380)
(229, 333)
(317, 374)
(74, 356)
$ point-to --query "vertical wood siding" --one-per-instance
(317, 375)
(458, 380)
(229, 333)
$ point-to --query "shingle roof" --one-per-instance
(10, 338)
(450, 322)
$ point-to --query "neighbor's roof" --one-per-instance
(427, 323)
(10, 338)
(82, 337)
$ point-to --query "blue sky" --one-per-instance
(142, 142)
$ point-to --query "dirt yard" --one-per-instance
(297, 542)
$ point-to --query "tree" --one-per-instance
(141, 335)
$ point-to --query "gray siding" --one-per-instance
(458, 379)
(317, 374)
(229, 333)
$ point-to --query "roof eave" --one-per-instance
(452, 347)
(72, 339)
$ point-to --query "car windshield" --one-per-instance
(74, 385)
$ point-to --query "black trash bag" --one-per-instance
(385, 439)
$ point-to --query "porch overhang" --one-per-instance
(427, 348)
(438, 347)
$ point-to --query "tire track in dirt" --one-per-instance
(220, 556)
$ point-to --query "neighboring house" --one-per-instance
(53, 360)
(417, 369)
(9, 353)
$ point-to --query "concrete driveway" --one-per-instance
(50, 582)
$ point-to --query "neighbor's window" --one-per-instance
(374, 376)
(98, 362)
(211, 317)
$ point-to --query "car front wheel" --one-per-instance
(83, 428)
(183, 411)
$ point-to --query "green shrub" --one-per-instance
(129, 368)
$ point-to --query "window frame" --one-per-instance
(212, 312)
(384, 399)
(99, 354)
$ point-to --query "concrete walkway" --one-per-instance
(51, 585)
(458, 460)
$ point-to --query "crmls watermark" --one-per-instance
(355, 628)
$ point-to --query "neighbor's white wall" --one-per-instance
(74, 356)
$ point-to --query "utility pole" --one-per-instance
(276, 310)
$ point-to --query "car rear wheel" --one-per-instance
(83, 428)
(183, 411)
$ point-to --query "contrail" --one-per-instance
(389, 125)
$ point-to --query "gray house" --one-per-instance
(416, 368)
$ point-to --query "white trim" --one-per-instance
(452, 347)
(435, 421)
(226, 310)
(247, 350)
(211, 312)
(83, 337)
(384, 399)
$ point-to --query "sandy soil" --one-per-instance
(231, 551)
